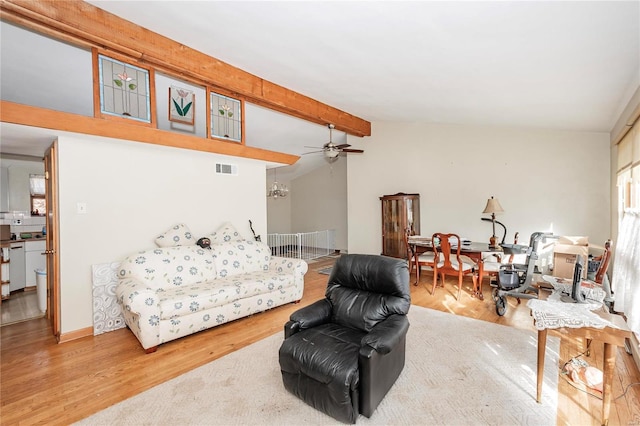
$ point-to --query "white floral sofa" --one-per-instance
(171, 292)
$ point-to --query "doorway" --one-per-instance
(24, 303)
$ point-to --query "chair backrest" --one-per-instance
(365, 289)
(515, 242)
(447, 245)
(604, 262)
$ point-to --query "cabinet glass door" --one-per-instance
(392, 234)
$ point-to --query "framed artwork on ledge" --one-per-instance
(226, 117)
(181, 105)
(124, 90)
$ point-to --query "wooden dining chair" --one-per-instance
(446, 248)
(420, 260)
(604, 259)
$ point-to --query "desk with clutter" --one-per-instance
(556, 309)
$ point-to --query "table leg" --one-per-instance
(480, 274)
(609, 366)
(542, 348)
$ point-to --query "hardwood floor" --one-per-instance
(22, 306)
(46, 383)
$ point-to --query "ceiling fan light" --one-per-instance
(331, 153)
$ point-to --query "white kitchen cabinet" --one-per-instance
(16, 271)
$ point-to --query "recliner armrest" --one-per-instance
(310, 316)
(384, 336)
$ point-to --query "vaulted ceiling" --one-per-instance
(562, 65)
(555, 65)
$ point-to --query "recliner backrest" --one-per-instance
(365, 289)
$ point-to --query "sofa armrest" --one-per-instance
(288, 265)
(313, 315)
(136, 297)
(141, 311)
(385, 335)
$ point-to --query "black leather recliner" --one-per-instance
(342, 354)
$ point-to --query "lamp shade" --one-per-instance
(493, 206)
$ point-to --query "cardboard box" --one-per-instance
(5, 232)
(565, 253)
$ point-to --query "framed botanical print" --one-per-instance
(181, 105)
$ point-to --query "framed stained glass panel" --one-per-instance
(124, 90)
(226, 117)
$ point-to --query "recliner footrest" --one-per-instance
(320, 366)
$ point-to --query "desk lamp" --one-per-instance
(493, 207)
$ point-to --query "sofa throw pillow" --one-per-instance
(169, 266)
(225, 234)
(238, 257)
(179, 235)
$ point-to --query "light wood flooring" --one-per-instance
(47, 383)
(21, 306)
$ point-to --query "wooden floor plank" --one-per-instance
(48, 383)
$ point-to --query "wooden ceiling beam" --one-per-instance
(63, 121)
(87, 25)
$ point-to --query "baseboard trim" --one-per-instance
(76, 334)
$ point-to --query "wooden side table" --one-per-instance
(611, 337)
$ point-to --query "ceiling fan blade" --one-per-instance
(344, 145)
(312, 152)
(353, 151)
(315, 147)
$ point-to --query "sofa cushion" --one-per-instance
(179, 301)
(238, 257)
(178, 235)
(226, 233)
(169, 267)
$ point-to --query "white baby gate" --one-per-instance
(303, 245)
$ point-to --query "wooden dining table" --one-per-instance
(474, 250)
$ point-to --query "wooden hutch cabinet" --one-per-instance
(399, 213)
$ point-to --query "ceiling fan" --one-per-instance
(331, 150)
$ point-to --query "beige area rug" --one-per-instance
(325, 271)
(459, 371)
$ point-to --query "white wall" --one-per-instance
(278, 209)
(319, 201)
(545, 180)
(17, 175)
(134, 192)
(42, 71)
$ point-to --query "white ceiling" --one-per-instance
(557, 65)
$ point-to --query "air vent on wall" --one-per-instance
(226, 169)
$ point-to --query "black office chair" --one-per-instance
(342, 354)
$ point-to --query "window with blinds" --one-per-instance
(628, 170)
(37, 189)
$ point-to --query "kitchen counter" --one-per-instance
(36, 237)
